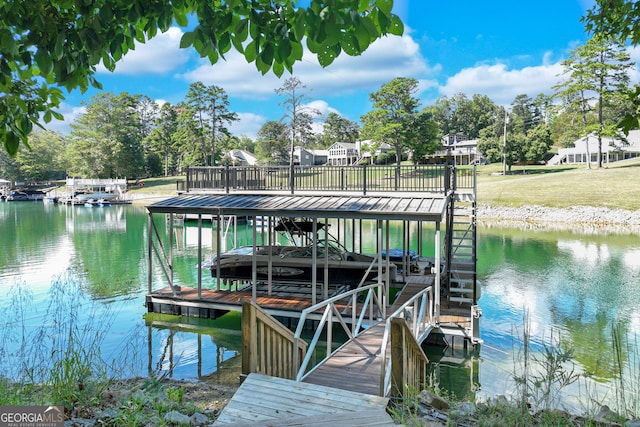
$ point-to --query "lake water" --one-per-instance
(82, 273)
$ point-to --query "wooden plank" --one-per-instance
(261, 398)
(371, 417)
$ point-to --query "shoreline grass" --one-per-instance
(612, 187)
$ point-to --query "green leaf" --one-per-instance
(187, 39)
(350, 45)
(397, 27)
(251, 52)
(326, 56)
(296, 51)
(237, 44)
(242, 30)
(11, 143)
(44, 61)
(261, 66)
(278, 69)
(267, 54)
(58, 49)
(284, 50)
(7, 41)
(385, 6)
(299, 24)
(181, 18)
(363, 38)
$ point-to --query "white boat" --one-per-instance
(297, 262)
(82, 197)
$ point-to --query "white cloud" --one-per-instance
(160, 55)
(248, 124)
(501, 84)
(70, 113)
(385, 59)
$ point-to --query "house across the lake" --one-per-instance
(613, 150)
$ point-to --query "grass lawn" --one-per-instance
(615, 186)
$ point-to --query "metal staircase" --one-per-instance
(460, 248)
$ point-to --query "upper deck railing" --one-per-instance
(360, 179)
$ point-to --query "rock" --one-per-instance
(175, 417)
(633, 423)
(427, 398)
(199, 419)
(79, 422)
(605, 414)
(140, 396)
(463, 409)
(108, 414)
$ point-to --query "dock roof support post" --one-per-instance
(199, 257)
(218, 249)
(171, 280)
(438, 278)
(314, 262)
(379, 256)
(254, 266)
(325, 285)
(387, 263)
(270, 232)
(150, 252)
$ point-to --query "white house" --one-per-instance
(464, 151)
(242, 157)
(343, 154)
(613, 150)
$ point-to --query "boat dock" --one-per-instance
(363, 342)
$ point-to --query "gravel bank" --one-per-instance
(578, 218)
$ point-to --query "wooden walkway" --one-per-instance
(268, 401)
(284, 297)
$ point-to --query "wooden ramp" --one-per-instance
(262, 400)
(357, 366)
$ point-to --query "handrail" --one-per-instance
(268, 347)
(419, 309)
(409, 367)
(372, 301)
(361, 179)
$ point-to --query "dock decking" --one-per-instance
(359, 363)
(268, 401)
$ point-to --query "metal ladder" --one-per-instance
(461, 250)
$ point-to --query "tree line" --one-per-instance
(124, 135)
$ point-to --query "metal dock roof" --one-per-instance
(413, 207)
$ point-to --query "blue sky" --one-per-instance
(498, 48)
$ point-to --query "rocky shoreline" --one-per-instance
(583, 219)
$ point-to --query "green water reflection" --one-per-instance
(575, 286)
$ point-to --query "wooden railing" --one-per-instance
(268, 347)
(417, 316)
(408, 361)
(334, 310)
(438, 178)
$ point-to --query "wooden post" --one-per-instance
(249, 338)
(396, 334)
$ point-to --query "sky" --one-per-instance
(498, 48)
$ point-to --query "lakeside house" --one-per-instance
(613, 150)
(307, 157)
(242, 157)
(343, 154)
(463, 150)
